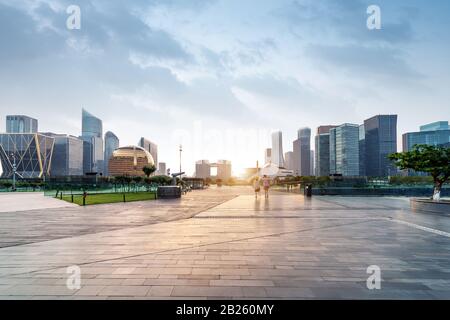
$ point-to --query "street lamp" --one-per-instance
(14, 171)
(181, 150)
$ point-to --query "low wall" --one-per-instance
(405, 192)
(425, 205)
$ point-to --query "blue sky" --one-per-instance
(219, 75)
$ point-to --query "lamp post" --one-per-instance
(14, 171)
(181, 150)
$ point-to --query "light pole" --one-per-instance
(181, 150)
(14, 171)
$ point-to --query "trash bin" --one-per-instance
(308, 190)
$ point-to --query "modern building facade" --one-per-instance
(129, 161)
(344, 150)
(302, 152)
(150, 147)
(111, 145)
(67, 159)
(21, 124)
(362, 151)
(322, 151)
(92, 136)
(289, 160)
(32, 153)
(162, 169)
(380, 142)
(203, 169)
(268, 155)
(435, 134)
(312, 164)
(277, 149)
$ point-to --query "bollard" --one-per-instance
(124, 197)
(60, 197)
(84, 198)
(72, 198)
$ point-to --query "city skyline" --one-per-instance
(168, 80)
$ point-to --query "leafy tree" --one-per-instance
(149, 170)
(434, 160)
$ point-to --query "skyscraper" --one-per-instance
(302, 152)
(111, 144)
(21, 124)
(268, 155)
(380, 142)
(289, 160)
(162, 169)
(362, 151)
(92, 136)
(150, 147)
(344, 150)
(436, 133)
(277, 149)
(312, 168)
(67, 158)
(322, 152)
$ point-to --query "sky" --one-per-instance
(218, 76)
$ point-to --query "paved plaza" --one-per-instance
(223, 244)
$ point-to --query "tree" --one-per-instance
(149, 170)
(434, 160)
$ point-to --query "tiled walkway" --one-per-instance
(213, 244)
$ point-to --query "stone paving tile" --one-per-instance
(282, 248)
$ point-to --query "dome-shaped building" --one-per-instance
(129, 161)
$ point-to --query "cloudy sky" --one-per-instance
(219, 75)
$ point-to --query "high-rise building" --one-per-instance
(322, 152)
(162, 169)
(344, 150)
(111, 145)
(436, 133)
(150, 147)
(277, 149)
(380, 142)
(302, 152)
(223, 170)
(268, 155)
(289, 160)
(67, 158)
(203, 169)
(21, 124)
(32, 153)
(92, 136)
(362, 151)
(312, 165)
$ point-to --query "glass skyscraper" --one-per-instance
(344, 150)
(277, 149)
(437, 133)
(150, 147)
(111, 144)
(92, 136)
(67, 159)
(302, 152)
(322, 152)
(380, 142)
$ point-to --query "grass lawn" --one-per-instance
(93, 199)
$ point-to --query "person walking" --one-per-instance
(266, 185)
(257, 186)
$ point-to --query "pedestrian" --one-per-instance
(256, 186)
(266, 185)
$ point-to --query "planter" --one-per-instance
(169, 192)
(428, 205)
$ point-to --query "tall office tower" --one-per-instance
(150, 147)
(436, 133)
(67, 158)
(203, 169)
(322, 152)
(32, 153)
(380, 142)
(312, 172)
(92, 136)
(277, 149)
(268, 155)
(302, 153)
(289, 160)
(21, 124)
(362, 151)
(162, 169)
(344, 150)
(223, 170)
(111, 145)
